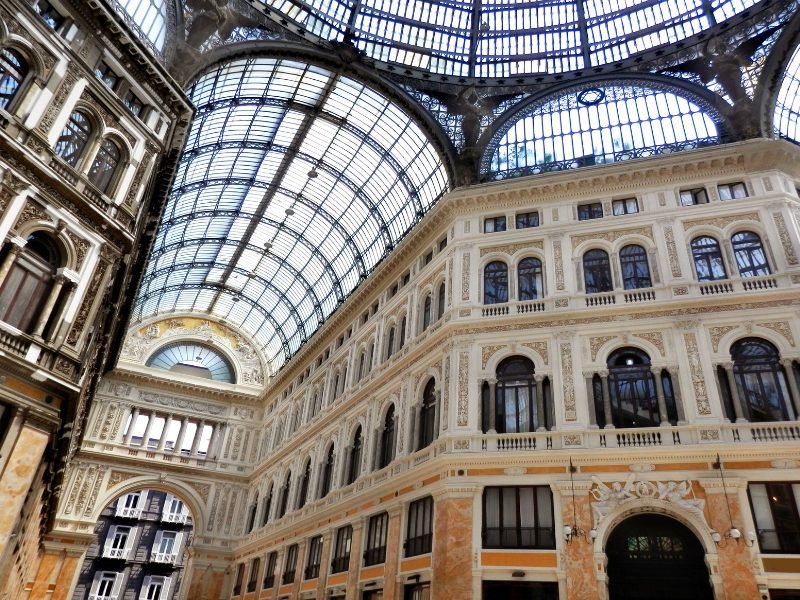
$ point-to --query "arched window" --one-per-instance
(284, 498)
(362, 365)
(390, 343)
(529, 275)
(326, 476)
(13, 70)
(440, 302)
(354, 468)
(191, 358)
(707, 258)
(74, 137)
(495, 283)
(515, 405)
(302, 490)
(105, 164)
(597, 272)
(402, 340)
(635, 270)
(427, 416)
(386, 454)
(426, 312)
(632, 389)
(267, 507)
(29, 281)
(751, 260)
(761, 381)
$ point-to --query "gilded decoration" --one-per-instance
(672, 251)
(463, 388)
(512, 248)
(570, 410)
(612, 235)
(558, 264)
(721, 222)
(117, 477)
(487, 352)
(717, 333)
(69, 81)
(696, 371)
(786, 240)
(465, 277)
(145, 340)
(595, 343)
(541, 348)
(654, 337)
(81, 247)
(781, 327)
(31, 212)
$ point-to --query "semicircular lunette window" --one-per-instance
(598, 125)
(192, 359)
(787, 106)
(148, 18)
(295, 182)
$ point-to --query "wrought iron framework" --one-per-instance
(295, 182)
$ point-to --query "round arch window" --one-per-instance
(196, 360)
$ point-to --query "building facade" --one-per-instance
(287, 316)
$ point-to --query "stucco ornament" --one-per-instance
(609, 497)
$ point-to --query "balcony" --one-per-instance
(128, 513)
(174, 517)
(120, 553)
(167, 558)
(98, 597)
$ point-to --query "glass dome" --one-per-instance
(504, 39)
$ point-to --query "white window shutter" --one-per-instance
(118, 580)
(109, 539)
(176, 548)
(143, 589)
(166, 591)
(156, 547)
(130, 543)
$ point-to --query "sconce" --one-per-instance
(574, 530)
(733, 533)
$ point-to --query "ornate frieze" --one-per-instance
(597, 342)
(570, 409)
(190, 404)
(781, 327)
(487, 352)
(70, 79)
(541, 348)
(786, 240)
(696, 372)
(465, 276)
(717, 333)
(558, 265)
(654, 337)
(722, 221)
(81, 318)
(512, 248)
(672, 251)
(81, 247)
(611, 235)
(463, 389)
(31, 212)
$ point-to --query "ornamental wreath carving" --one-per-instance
(609, 497)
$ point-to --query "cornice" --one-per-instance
(150, 382)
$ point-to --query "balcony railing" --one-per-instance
(163, 557)
(129, 513)
(121, 553)
(174, 517)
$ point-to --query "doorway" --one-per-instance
(653, 557)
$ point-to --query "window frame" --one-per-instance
(709, 257)
(498, 279)
(781, 534)
(697, 196)
(534, 279)
(542, 540)
(313, 558)
(377, 533)
(496, 224)
(340, 558)
(271, 565)
(599, 285)
(289, 565)
(629, 206)
(636, 280)
(527, 220)
(419, 527)
(590, 211)
(753, 269)
(736, 190)
(21, 76)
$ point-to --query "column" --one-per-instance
(17, 477)
(451, 559)
(588, 377)
(607, 412)
(492, 406)
(162, 442)
(541, 419)
(788, 368)
(436, 413)
(324, 563)
(148, 429)
(47, 309)
(5, 267)
(663, 417)
(674, 375)
(734, 388)
(58, 569)
(394, 543)
(181, 435)
(356, 550)
(129, 434)
(413, 423)
(59, 331)
(197, 435)
(213, 443)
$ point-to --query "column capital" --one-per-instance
(603, 373)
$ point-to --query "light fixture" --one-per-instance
(574, 531)
(734, 533)
(313, 174)
(289, 212)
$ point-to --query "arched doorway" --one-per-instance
(653, 557)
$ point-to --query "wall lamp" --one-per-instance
(734, 533)
(575, 531)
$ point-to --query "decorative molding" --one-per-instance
(612, 235)
(512, 248)
(487, 352)
(542, 348)
(117, 477)
(781, 327)
(31, 212)
(696, 371)
(465, 276)
(65, 87)
(597, 342)
(654, 337)
(81, 247)
(786, 240)
(721, 222)
(570, 409)
(558, 265)
(717, 333)
(463, 389)
(672, 251)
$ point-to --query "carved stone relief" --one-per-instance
(696, 371)
(570, 409)
(463, 389)
(721, 222)
(612, 235)
(512, 248)
(672, 251)
(786, 240)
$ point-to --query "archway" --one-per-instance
(654, 557)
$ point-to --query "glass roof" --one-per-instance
(148, 18)
(477, 38)
(787, 106)
(294, 183)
